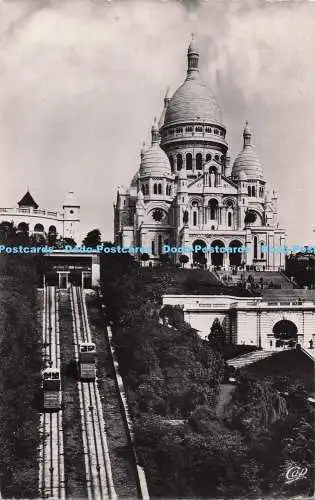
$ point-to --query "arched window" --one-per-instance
(143, 188)
(188, 161)
(52, 229)
(195, 213)
(146, 189)
(39, 228)
(217, 158)
(179, 161)
(159, 188)
(188, 129)
(213, 204)
(172, 163)
(262, 255)
(255, 247)
(23, 226)
(198, 161)
(155, 189)
(198, 129)
(249, 191)
(159, 244)
(253, 191)
(208, 157)
(208, 130)
(153, 247)
(212, 176)
(229, 219)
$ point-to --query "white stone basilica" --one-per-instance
(186, 193)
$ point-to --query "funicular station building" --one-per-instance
(72, 268)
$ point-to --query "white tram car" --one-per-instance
(51, 385)
(87, 355)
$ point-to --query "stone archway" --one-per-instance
(199, 257)
(285, 333)
(235, 256)
(217, 256)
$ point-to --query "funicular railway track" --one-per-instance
(99, 481)
(51, 463)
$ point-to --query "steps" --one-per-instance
(249, 358)
(269, 278)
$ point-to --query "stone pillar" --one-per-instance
(205, 214)
(226, 261)
(164, 187)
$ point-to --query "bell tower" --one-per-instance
(71, 217)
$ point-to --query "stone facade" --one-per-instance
(246, 320)
(186, 193)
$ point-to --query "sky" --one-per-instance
(81, 82)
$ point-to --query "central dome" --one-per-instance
(193, 100)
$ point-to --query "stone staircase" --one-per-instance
(249, 358)
(269, 278)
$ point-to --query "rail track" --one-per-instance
(99, 480)
(51, 463)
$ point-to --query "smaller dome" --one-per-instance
(242, 176)
(247, 160)
(154, 161)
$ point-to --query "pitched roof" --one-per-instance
(27, 201)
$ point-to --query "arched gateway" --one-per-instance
(199, 257)
(285, 333)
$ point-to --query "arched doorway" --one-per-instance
(217, 256)
(39, 228)
(199, 257)
(285, 333)
(23, 227)
(235, 256)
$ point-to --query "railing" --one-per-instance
(31, 211)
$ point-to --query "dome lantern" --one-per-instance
(155, 132)
(247, 135)
(193, 58)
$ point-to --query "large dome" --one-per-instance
(193, 101)
(247, 160)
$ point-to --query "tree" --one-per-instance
(217, 335)
(92, 239)
(66, 241)
(183, 259)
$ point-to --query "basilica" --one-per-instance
(186, 192)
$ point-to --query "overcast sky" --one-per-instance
(81, 81)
